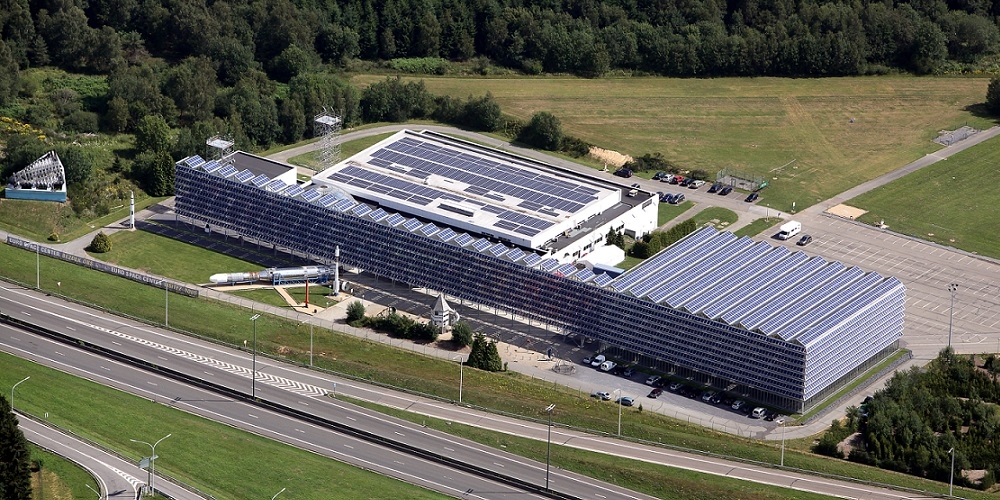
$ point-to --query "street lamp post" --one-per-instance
(782, 443)
(152, 461)
(951, 313)
(89, 487)
(619, 412)
(166, 304)
(253, 384)
(461, 377)
(278, 493)
(12, 392)
(951, 477)
(38, 269)
(548, 447)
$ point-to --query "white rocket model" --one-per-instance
(131, 210)
(272, 274)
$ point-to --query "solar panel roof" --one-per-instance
(275, 185)
(244, 176)
(361, 210)
(310, 195)
(447, 234)
(211, 166)
(395, 220)
(548, 264)
(412, 225)
(293, 190)
(378, 214)
(603, 280)
(515, 255)
(464, 239)
(566, 270)
(482, 244)
(498, 249)
(343, 204)
(584, 275)
(532, 259)
(227, 171)
(260, 180)
(194, 161)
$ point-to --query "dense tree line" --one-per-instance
(911, 425)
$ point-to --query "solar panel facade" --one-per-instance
(776, 369)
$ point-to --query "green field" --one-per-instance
(718, 217)
(951, 202)
(171, 258)
(58, 477)
(757, 226)
(347, 149)
(754, 124)
(215, 458)
(507, 391)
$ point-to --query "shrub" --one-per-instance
(100, 244)
(461, 334)
(54, 237)
(355, 313)
(82, 121)
(543, 131)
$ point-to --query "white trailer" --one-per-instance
(789, 229)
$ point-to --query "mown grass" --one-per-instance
(667, 212)
(58, 478)
(718, 217)
(652, 479)
(757, 226)
(830, 134)
(168, 257)
(507, 391)
(215, 458)
(951, 202)
(36, 220)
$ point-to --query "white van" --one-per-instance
(608, 366)
(789, 229)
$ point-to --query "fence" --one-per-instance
(102, 267)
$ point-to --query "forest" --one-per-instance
(924, 415)
(174, 72)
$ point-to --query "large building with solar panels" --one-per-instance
(777, 326)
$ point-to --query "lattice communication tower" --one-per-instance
(219, 147)
(326, 126)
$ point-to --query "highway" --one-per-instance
(278, 383)
(117, 477)
(305, 389)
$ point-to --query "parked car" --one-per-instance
(677, 179)
(624, 172)
(659, 176)
(714, 188)
(628, 372)
(707, 396)
(696, 184)
(597, 360)
(586, 360)
(725, 191)
(636, 185)
(653, 379)
(675, 385)
(626, 401)
(677, 199)
(607, 366)
(752, 197)
(771, 416)
(804, 240)
(654, 393)
(666, 198)
(716, 399)
(739, 403)
(601, 395)
(686, 182)
(758, 412)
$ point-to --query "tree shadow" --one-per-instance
(980, 110)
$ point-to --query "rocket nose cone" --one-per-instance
(219, 278)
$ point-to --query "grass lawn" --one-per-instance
(168, 257)
(59, 478)
(829, 134)
(667, 212)
(508, 391)
(652, 479)
(718, 217)
(215, 458)
(36, 220)
(950, 202)
(757, 226)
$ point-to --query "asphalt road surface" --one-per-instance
(305, 389)
(282, 384)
